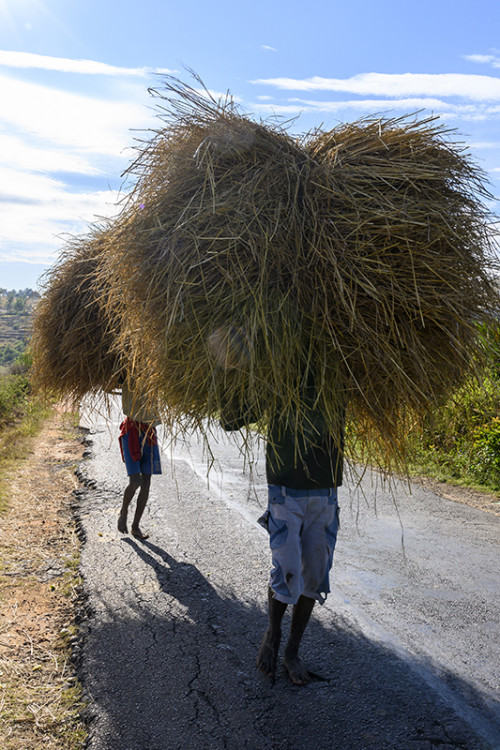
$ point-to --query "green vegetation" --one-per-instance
(20, 417)
(15, 390)
(15, 324)
(9, 352)
(42, 698)
(460, 442)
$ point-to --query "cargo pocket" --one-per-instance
(278, 531)
(332, 529)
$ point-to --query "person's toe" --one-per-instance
(122, 526)
(138, 534)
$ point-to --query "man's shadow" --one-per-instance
(179, 672)
(180, 580)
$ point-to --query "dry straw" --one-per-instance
(73, 340)
(361, 258)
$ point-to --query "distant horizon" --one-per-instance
(16, 276)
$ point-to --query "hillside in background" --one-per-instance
(15, 323)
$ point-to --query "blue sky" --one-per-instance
(74, 77)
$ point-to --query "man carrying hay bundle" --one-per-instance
(303, 473)
(140, 453)
(304, 464)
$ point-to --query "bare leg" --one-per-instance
(267, 657)
(130, 490)
(142, 499)
(300, 617)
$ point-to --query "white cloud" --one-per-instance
(475, 87)
(37, 232)
(20, 153)
(493, 60)
(38, 209)
(268, 48)
(374, 105)
(67, 65)
(69, 119)
(218, 95)
(46, 130)
(367, 106)
(485, 145)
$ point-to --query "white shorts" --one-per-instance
(302, 527)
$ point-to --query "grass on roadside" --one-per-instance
(460, 442)
(27, 416)
(40, 697)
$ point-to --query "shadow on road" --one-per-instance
(182, 676)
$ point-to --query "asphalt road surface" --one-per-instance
(405, 648)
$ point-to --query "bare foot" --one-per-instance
(267, 657)
(296, 670)
(122, 524)
(135, 531)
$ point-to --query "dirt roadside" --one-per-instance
(486, 501)
(40, 701)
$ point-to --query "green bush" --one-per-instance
(14, 389)
(11, 351)
(485, 454)
(460, 440)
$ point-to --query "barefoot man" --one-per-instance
(303, 470)
(139, 449)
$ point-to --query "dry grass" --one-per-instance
(72, 341)
(39, 695)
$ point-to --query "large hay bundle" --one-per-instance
(213, 239)
(73, 340)
(362, 257)
(413, 253)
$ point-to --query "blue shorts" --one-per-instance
(302, 527)
(150, 457)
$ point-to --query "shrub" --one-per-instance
(13, 391)
(485, 454)
(461, 439)
(11, 351)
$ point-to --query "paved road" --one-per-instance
(407, 644)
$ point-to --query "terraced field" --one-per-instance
(15, 330)
(14, 326)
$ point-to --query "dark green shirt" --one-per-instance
(302, 458)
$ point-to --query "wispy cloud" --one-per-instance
(23, 155)
(58, 149)
(218, 96)
(88, 123)
(360, 107)
(67, 65)
(268, 48)
(485, 145)
(474, 87)
(493, 60)
(38, 210)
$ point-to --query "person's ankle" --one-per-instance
(273, 635)
(291, 652)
